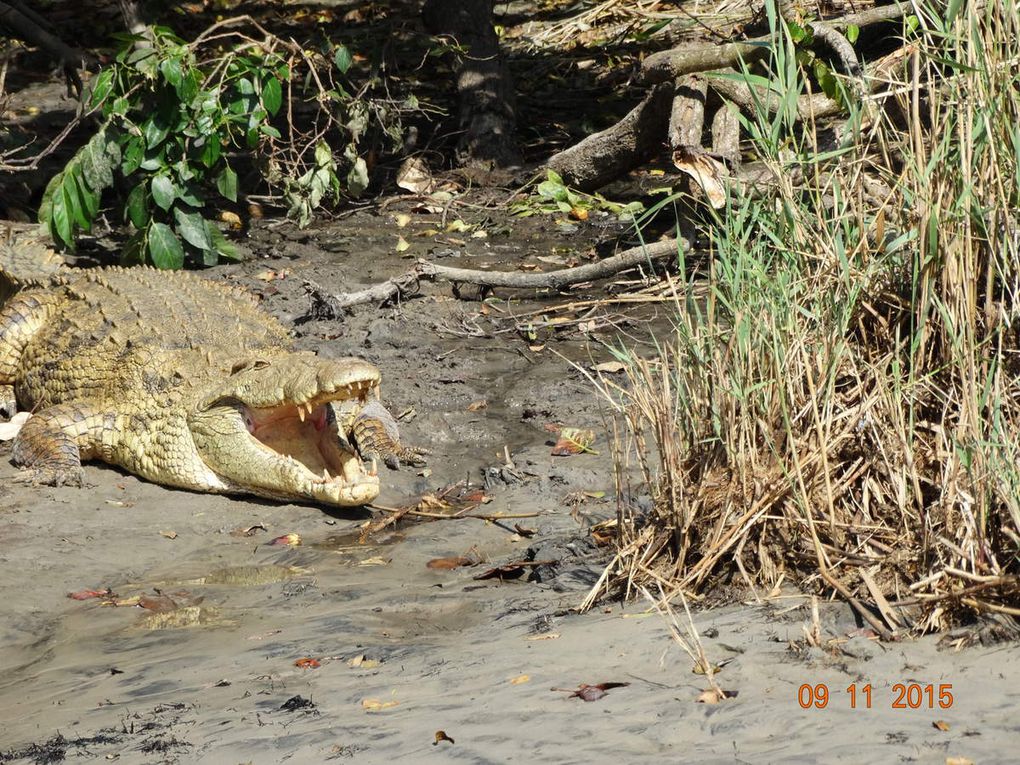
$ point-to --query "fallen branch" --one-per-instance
(604, 156)
(688, 59)
(327, 306)
(24, 28)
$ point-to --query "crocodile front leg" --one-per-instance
(52, 444)
(20, 319)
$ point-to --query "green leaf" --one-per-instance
(245, 86)
(155, 130)
(70, 192)
(89, 198)
(220, 243)
(60, 217)
(191, 227)
(211, 151)
(226, 183)
(102, 88)
(272, 95)
(342, 58)
(323, 154)
(163, 191)
(164, 247)
(269, 130)
(97, 160)
(852, 33)
(171, 69)
(136, 208)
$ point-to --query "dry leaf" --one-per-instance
(940, 725)
(587, 692)
(161, 604)
(232, 219)
(574, 441)
(714, 696)
(307, 663)
(447, 564)
(248, 531)
(458, 226)
(414, 176)
(376, 560)
(474, 406)
(578, 213)
(374, 705)
(610, 367)
(89, 594)
(360, 662)
(441, 736)
(707, 171)
(545, 636)
(287, 540)
(524, 532)
(272, 276)
(402, 245)
(168, 534)
(959, 761)
(402, 219)
(520, 679)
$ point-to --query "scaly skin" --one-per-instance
(184, 382)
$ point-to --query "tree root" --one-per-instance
(327, 306)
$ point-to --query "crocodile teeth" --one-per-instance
(374, 470)
(301, 412)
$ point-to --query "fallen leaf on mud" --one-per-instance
(513, 570)
(297, 702)
(448, 564)
(376, 560)
(401, 219)
(9, 429)
(414, 176)
(474, 406)
(520, 679)
(458, 226)
(189, 616)
(431, 502)
(525, 532)
(374, 705)
(959, 761)
(552, 427)
(941, 725)
(545, 636)
(287, 540)
(574, 441)
(89, 594)
(255, 210)
(714, 696)
(610, 367)
(307, 663)
(272, 276)
(160, 604)
(232, 219)
(587, 692)
(168, 534)
(477, 495)
(360, 662)
(441, 736)
(401, 245)
(248, 531)
(578, 213)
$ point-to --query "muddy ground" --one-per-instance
(405, 651)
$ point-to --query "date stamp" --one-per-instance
(901, 696)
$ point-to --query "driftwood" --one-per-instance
(687, 117)
(601, 157)
(726, 134)
(687, 59)
(327, 306)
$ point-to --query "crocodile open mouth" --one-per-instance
(291, 447)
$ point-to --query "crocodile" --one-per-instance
(183, 381)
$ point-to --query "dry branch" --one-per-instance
(28, 30)
(601, 157)
(327, 306)
(687, 117)
(687, 59)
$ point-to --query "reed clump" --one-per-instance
(841, 408)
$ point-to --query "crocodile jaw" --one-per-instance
(292, 448)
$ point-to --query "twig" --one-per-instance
(327, 306)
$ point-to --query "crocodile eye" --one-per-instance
(244, 366)
(260, 364)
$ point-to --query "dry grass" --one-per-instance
(842, 410)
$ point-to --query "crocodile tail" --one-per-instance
(26, 260)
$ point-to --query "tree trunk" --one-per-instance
(484, 85)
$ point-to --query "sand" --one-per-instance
(404, 650)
